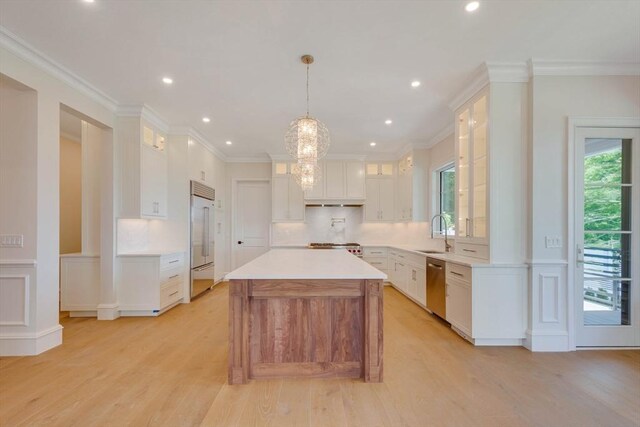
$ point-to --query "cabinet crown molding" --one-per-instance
(145, 112)
(28, 53)
(538, 67)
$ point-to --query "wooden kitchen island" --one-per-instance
(305, 313)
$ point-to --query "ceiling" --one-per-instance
(237, 62)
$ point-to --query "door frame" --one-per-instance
(234, 211)
(573, 123)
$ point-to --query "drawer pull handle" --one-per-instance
(469, 250)
(457, 274)
(439, 267)
(173, 293)
(175, 260)
(174, 276)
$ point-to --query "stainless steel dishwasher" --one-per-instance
(436, 288)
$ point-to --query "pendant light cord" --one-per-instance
(307, 90)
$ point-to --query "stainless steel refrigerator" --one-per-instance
(202, 238)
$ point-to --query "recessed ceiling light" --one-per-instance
(167, 80)
(415, 83)
(89, 1)
(228, 142)
(472, 6)
(388, 122)
(373, 144)
(206, 119)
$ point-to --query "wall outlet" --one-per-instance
(11, 240)
(553, 241)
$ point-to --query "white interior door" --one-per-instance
(252, 221)
(607, 192)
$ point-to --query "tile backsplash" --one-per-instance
(317, 228)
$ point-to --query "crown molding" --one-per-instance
(447, 131)
(197, 137)
(337, 156)
(538, 67)
(25, 51)
(70, 136)
(145, 112)
(491, 72)
(248, 160)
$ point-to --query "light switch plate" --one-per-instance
(553, 241)
(11, 240)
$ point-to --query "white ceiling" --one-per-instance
(237, 62)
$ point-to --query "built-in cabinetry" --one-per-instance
(340, 180)
(408, 274)
(80, 284)
(380, 189)
(487, 304)
(143, 169)
(490, 148)
(287, 196)
(411, 185)
(150, 284)
(377, 257)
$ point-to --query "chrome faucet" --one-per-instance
(447, 246)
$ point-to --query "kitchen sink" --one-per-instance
(431, 252)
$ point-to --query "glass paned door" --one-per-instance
(463, 173)
(607, 235)
(479, 124)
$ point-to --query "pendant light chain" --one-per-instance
(307, 90)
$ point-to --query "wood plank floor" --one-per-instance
(171, 371)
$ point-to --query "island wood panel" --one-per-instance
(304, 328)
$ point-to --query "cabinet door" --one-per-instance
(462, 174)
(280, 198)
(296, 201)
(355, 180)
(459, 305)
(402, 277)
(421, 285)
(412, 282)
(153, 182)
(372, 203)
(334, 180)
(479, 168)
(386, 199)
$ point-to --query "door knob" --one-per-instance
(240, 242)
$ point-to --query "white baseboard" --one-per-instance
(108, 311)
(547, 340)
(30, 344)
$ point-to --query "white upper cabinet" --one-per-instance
(471, 171)
(144, 169)
(380, 201)
(201, 164)
(490, 152)
(340, 180)
(287, 196)
(411, 184)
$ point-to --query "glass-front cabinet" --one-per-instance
(471, 165)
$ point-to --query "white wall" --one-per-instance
(553, 101)
(43, 330)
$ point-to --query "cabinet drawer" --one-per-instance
(375, 252)
(171, 261)
(378, 262)
(170, 293)
(459, 272)
(171, 275)
(471, 250)
(413, 259)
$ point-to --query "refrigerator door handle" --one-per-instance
(205, 246)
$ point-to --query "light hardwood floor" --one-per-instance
(172, 371)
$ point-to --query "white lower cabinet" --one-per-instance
(408, 274)
(459, 308)
(149, 285)
(80, 284)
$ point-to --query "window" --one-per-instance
(445, 205)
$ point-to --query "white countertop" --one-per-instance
(306, 264)
(154, 252)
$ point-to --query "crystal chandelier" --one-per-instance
(307, 141)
